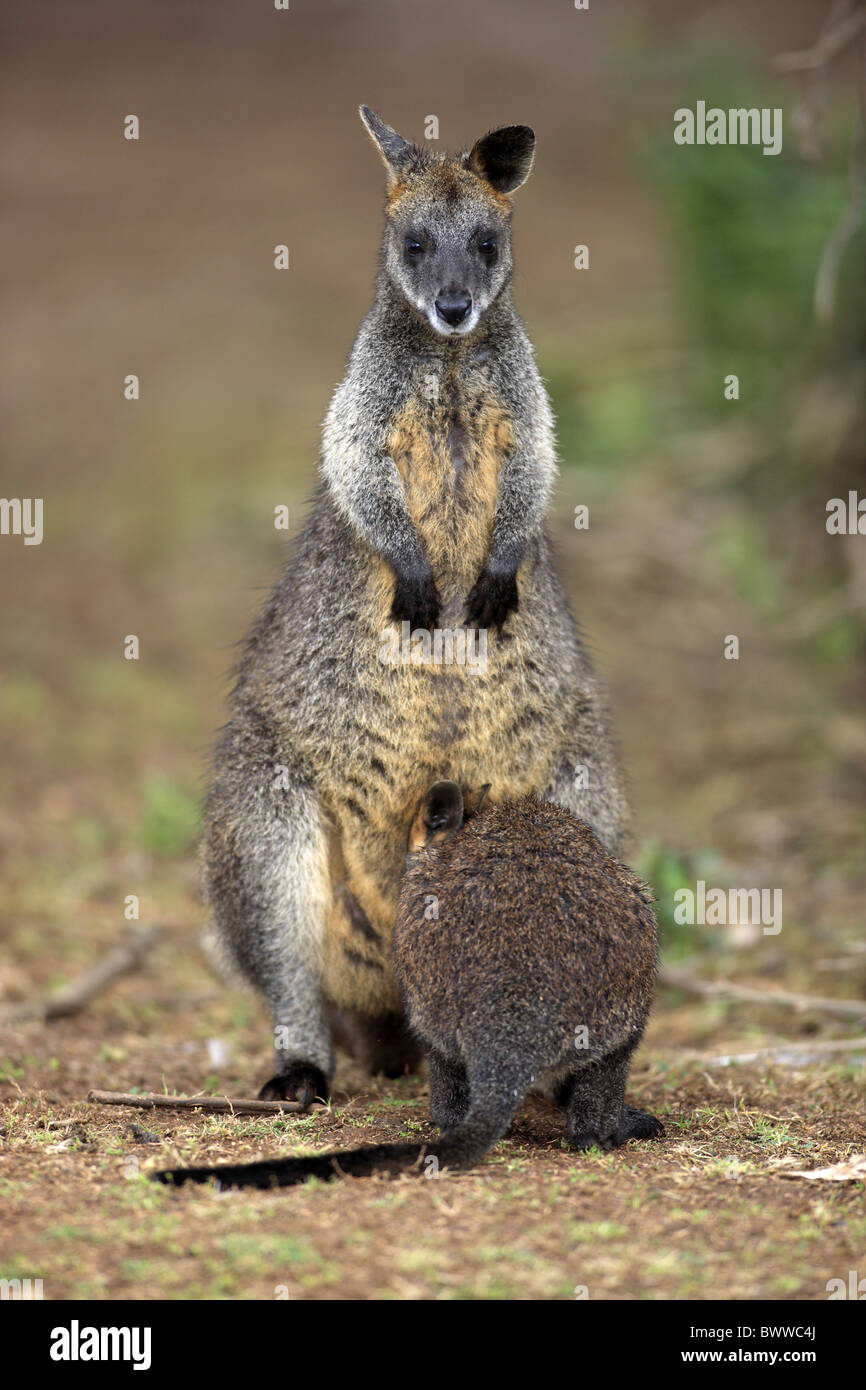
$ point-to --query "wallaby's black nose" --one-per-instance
(453, 306)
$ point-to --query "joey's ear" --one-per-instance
(438, 817)
(395, 151)
(474, 800)
(503, 157)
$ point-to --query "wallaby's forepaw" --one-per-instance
(416, 601)
(303, 1082)
(492, 599)
(638, 1124)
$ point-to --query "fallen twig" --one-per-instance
(794, 1053)
(674, 978)
(220, 1105)
(72, 998)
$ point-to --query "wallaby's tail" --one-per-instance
(458, 1148)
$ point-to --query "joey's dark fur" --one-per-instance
(437, 463)
(525, 954)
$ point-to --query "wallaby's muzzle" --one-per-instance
(453, 306)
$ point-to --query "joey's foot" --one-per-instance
(589, 1139)
(633, 1124)
(492, 599)
(638, 1124)
(300, 1081)
(416, 601)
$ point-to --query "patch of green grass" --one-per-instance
(76, 1233)
(23, 700)
(771, 1135)
(245, 1251)
(590, 1232)
(729, 1167)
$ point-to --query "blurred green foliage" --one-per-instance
(170, 817)
(607, 421)
(666, 870)
(748, 230)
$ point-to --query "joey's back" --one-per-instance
(522, 928)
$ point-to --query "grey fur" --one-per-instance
(358, 741)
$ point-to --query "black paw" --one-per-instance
(492, 599)
(590, 1139)
(638, 1124)
(416, 601)
(303, 1082)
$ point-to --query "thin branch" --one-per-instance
(674, 978)
(219, 1105)
(829, 45)
(72, 998)
(794, 1054)
(852, 216)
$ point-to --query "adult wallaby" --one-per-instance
(437, 462)
(525, 954)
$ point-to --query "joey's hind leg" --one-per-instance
(449, 1090)
(267, 881)
(594, 1099)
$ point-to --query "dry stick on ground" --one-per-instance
(72, 998)
(220, 1105)
(674, 978)
(792, 1053)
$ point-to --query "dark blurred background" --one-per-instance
(707, 516)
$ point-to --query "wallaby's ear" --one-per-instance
(395, 151)
(503, 157)
(438, 817)
(474, 800)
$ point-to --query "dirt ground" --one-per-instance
(705, 1213)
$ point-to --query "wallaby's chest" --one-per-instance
(449, 442)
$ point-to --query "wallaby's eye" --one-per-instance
(412, 248)
(488, 247)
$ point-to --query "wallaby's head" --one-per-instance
(442, 812)
(447, 245)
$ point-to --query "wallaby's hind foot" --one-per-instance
(300, 1081)
(633, 1124)
(594, 1103)
(638, 1124)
